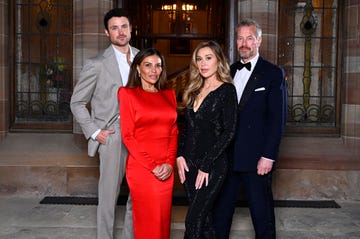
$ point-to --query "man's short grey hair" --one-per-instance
(250, 22)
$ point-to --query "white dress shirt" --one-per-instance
(242, 76)
(124, 66)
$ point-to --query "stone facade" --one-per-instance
(4, 68)
(308, 168)
(351, 78)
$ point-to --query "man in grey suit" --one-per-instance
(98, 84)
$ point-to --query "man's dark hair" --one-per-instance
(116, 12)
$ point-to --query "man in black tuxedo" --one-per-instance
(261, 91)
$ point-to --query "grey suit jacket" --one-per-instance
(98, 84)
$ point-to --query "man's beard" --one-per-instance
(120, 43)
(247, 55)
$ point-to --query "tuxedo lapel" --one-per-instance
(251, 84)
(250, 87)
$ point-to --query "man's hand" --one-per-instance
(103, 134)
(264, 166)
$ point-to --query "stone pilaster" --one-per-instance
(4, 68)
(266, 14)
(351, 77)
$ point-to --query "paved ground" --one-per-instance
(25, 218)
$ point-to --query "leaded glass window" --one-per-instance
(308, 42)
(43, 63)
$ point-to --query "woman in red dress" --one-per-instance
(149, 131)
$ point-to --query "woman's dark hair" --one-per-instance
(115, 12)
(134, 77)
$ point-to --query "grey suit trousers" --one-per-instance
(112, 156)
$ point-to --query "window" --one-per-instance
(42, 83)
(308, 43)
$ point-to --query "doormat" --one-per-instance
(182, 201)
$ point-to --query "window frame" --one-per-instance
(32, 126)
(301, 129)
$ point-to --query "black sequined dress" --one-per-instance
(203, 143)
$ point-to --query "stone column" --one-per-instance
(89, 38)
(4, 68)
(351, 77)
(266, 14)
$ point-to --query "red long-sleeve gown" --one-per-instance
(149, 131)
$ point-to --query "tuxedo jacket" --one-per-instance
(261, 116)
(98, 84)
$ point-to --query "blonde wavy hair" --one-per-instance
(196, 81)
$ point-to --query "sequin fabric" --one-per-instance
(203, 143)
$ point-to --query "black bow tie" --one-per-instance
(240, 65)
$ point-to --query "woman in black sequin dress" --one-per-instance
(210, 117)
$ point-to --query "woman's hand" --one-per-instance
(201, 177)
(163, 171)
(182, 167)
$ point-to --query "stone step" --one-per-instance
(37, 164)
(45, 164)
(48, 165)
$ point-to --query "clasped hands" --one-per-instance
(201, 177)
(163, 171)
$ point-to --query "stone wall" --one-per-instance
(265, 13)
(351, 77)
(321, 170)
(4, 68)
